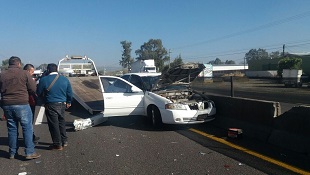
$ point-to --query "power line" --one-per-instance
(268, 25)
(243, 51)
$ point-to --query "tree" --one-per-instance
(153, 49)
(215, 62)
(274, 55)
(230, 62)
(254, 54)
(177, 61)
(289, 63)
(5, 64)
(126, 56)
(42, 67)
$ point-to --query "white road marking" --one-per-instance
(39, 118)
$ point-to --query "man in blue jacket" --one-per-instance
(57, 100)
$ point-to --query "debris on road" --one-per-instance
(81, 124)
(234, 133)
(22, 173)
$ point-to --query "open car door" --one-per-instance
(121, 98)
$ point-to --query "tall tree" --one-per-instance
(274, 55)
(42, 67)
(254, 54)
(230, 62)
(126, 55)
(177, 61)
(153, 49)
(216, 61)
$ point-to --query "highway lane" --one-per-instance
(122, 146)
(127, 145)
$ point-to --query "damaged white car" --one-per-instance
(166, 98)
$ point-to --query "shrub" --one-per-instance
(289, 63)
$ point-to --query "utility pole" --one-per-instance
(283, 50)
(128, 66)
(169, 57)
(244, 64)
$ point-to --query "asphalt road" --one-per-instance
(128, 145)
(122, 145)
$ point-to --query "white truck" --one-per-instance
(77, 66)
(292, 77)
(140, 66)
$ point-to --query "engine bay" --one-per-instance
(195, 101)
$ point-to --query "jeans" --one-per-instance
(55, 114)
(22, 114)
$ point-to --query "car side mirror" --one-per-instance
(135, 89)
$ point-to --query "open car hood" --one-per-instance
(181, 74)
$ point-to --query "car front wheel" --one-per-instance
(155, 116)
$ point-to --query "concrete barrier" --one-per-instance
(254, 117)
(292, 130)
(262, 120)
(251, 110)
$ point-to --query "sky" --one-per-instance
(40, 31)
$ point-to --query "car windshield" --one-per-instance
(149, 81)
(145, 82)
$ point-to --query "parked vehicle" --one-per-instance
(143, 66)
(77, 66)
(292, 77)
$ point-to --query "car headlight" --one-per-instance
(176, 106)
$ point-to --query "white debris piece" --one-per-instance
(81, 124)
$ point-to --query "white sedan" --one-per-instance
(165, 98)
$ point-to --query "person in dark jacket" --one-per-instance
(15, 85)
(57, 100)
(32, 98)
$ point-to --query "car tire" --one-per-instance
(155, 117)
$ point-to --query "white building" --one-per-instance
(219, 70)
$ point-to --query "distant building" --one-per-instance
(222, 69)
(218, 70)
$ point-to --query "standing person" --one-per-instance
(32, 98)
(57, 99)
(15, 85)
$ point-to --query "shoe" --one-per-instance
(35, 139)
(13, 156)
(65, 144)
(33, 156)
(55, 147)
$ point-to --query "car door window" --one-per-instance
(113, 85)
